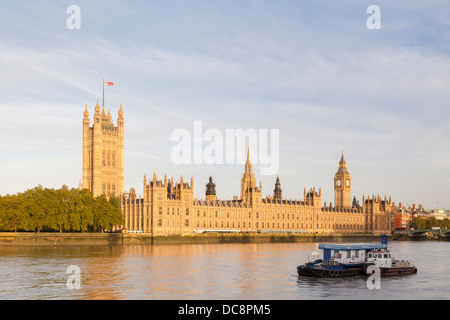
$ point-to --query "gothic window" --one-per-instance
(109, 158)
(103, 188)
(89, 159)
(114, 159)
(104, 158)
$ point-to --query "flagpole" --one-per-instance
(103, 91)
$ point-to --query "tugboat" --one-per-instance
(388, 265)
(339, 260)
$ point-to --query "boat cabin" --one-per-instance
(349, 253)
(380, 258)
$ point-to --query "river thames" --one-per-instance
(208, 271)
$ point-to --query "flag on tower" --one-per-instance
(109, 84)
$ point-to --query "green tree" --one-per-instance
(43, 209)
(107, 213)
(34, 205)
(418, 223)
(12, 216)
(59, 215)
(431, 222)
(81, 205)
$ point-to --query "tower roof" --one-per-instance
(86, 112)
(342, 159)
(97, 108)
(248, 155)
(342, 165)
(120, 111)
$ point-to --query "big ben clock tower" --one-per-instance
(342, 185)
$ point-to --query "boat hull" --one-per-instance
(306, 271)
(395, 271)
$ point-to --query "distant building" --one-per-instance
(438, 214)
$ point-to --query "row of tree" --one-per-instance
(60, 210)
(421, 223)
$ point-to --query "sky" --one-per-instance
(310, 69)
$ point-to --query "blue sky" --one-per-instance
(311, 69)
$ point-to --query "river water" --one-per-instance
(207, 271)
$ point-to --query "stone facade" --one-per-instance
(168, 207)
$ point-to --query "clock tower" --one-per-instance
(342, 185)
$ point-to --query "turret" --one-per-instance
(210, 190)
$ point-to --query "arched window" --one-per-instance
(114, 159)
(104, 158)
(109, 158)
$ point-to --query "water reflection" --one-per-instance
(208, 271)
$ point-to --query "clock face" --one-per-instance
(347, 182)
(338, 183)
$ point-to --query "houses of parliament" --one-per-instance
(168, 207)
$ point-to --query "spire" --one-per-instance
(86, 112)
(109, 114)
(342, 162)
(248, 154)
(97, 108)
(120, 111)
